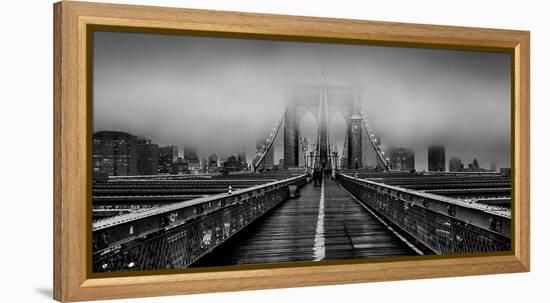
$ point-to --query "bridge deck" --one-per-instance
(312, 227)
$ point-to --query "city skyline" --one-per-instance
(413, 97)
(397, 156)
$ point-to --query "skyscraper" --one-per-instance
(190, 153)
(401, 159)
(475, 164)
(203, 165)
(167, 156)
(190, 156)
(213, 163)
(148, 157)
(241, 160)
(455, 164)
(115, 153)
(179, 167)
(231, 164)
(436, 158)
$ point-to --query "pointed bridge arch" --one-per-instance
(325, 102)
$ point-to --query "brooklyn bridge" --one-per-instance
(321, 205)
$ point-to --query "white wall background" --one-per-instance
(26, 149)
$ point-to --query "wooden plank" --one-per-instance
(285, 234)
(288, 232)
(352, 232)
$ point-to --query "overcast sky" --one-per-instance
(220, 94)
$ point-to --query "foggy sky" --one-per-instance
(220, 94)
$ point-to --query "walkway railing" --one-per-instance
(178, 235)
(444, 225)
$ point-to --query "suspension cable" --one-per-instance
(379, 152)
(270, 140)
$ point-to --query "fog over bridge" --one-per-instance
(321, 204)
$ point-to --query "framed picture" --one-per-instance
(202, 151)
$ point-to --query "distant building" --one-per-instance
(190, 153)
(167, 156)
(474, 167)
(213, 164)
(455, 164)
(204, 165)
(401, 159)
(194, 165)
(115, 153)
(436, 158)
(191, 157)
(231, 164)
(179, 167)
(241, 160)
(493, 166)
(506, 171)
(148, 157)
(99, 176)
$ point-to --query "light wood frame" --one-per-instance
(72, 281)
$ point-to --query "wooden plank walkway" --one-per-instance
(316, 226)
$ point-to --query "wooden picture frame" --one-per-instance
(72, 20)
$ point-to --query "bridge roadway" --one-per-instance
(489, 188)
(323, 223)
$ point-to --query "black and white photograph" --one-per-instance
(212, 151)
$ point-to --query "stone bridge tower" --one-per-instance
(323, 102)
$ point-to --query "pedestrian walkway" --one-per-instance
(323, 223)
